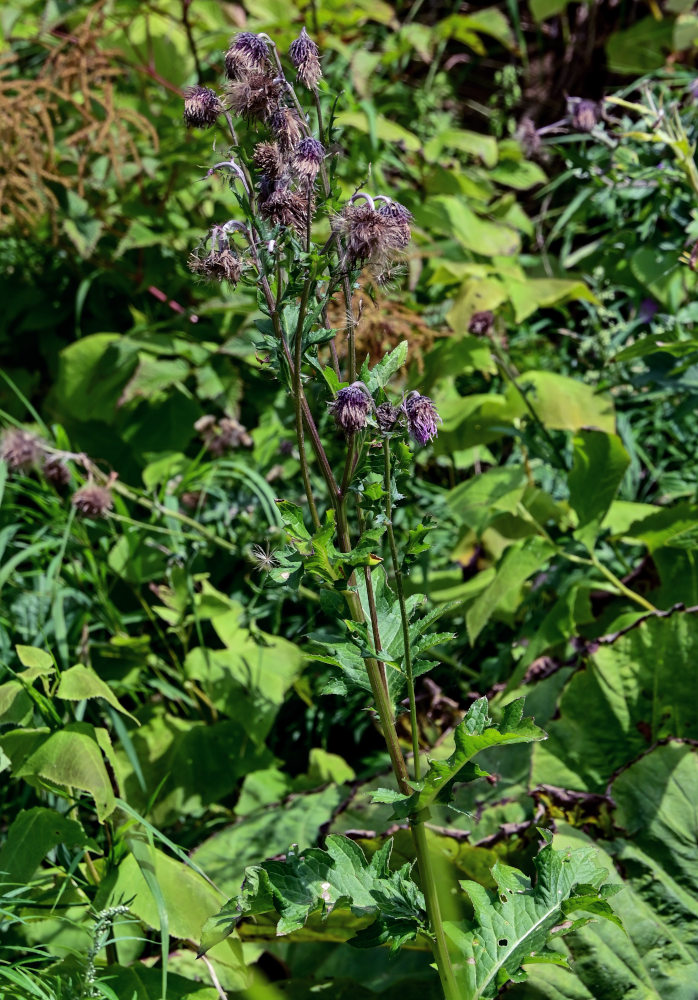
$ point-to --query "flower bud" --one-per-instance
(305, 56)
(585, 115)
(201, 107)
(422, 417)
(92, 500)
(351, 408)
(247, 52)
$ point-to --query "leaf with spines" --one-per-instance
(317, 880)
(475, 733)
(513, 925)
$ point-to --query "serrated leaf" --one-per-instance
(381, 373)
(475, 733)
(81, 682)
(513, 924)
(317, 880)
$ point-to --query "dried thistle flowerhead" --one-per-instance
(284, 207)
(201, 107)
(286, 127)
(351, 408)
(387, 416)
(305, 56)
(267, 158)
(223, 435)
(20, 449)
(422, 417)
(584, 114)
(399, 219)
(246, 52)
(56, 471)
(217, 265)
(92, 500)
(263, 558)
(370, 235)
(308, 156)
(481, 323)
(254, 96)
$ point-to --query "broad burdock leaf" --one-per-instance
(513, 925)
(475, 733)
(317, 880)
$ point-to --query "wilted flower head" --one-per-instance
(422, 417)
(308, 156)
(247, 51)
(481, 323)
(286, 127)
(305, 56)
(584, 114)
(351, 408)
(399, 219)
(267, 158)
(56, 471)
(201, 107)
(284, 207)
(221, 436)
(21, 449)
(218, 265)
(372, 234)
(387, 416)
(92, 500)
(255, 95)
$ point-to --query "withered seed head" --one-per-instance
(217, 265)
(351, 408)
(21, 449)
(221, 436)
(254, 96)
(284, 207)
(56, 471)
(387, 416)
(307, 159)
(585, 115)
(201, 107)
(247, 51)
(369, 234)
(268, 159)
(286, 128)
(399, 218)
(422, 417)
(305, 56)
(92, 500)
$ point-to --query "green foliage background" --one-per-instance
(168, 715)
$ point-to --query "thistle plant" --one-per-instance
(299, 244)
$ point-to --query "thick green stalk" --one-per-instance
(397, 571)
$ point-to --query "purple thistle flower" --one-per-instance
(305, 56)
(351, 408)
(422, 417)
(201, 107)
(247, 51)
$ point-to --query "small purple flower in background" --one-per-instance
(648, 308)
(422, 417)
(351, 408)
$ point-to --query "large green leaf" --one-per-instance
(33, 833)
(70, 758)
(264, 834)
(81, 682)
(519, 563)
(92, 373)
(474, 734)
(563, 403)
(513, 925)
(639, 689)
(657, 956)
(600, 461)
(316, 880)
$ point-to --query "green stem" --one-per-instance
(298, 398)
(387, 486)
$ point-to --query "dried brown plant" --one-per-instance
(55, 123)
